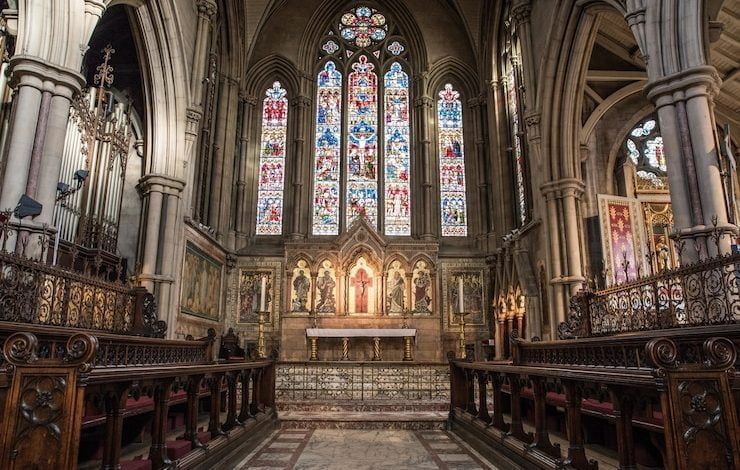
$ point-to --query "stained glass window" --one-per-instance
(363, 26)
(272, 161)
(451, 164)
(362, 142)
(328, 151)
(512, 101)
(645, 148)
(397, 167)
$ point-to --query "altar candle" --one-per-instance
(263, 295)
(460, 302)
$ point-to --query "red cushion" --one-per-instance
(143, 402)
(177, 449)
(137, 464)
(595, 405)
(204, 436)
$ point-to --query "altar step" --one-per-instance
(397, 420)
(361, 406)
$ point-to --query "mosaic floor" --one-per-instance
(325, 449)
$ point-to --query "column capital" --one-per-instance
(564, 186)
(301, 101)
(695, 81)
(35, 72)
(154, 182)
(521, 12)
(424, 101)
(207, 9)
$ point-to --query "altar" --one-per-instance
(408, 335)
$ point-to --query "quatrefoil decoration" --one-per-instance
(363, 26)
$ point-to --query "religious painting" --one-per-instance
(421, 288)
(362, 288)
(300, 294)
(621, 238)
(396, 289)
(472, 296)
(658, 227)
(201, 284)
(250, 295)
(326, 288)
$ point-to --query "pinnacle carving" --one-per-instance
(207, 8)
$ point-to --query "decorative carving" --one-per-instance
(21, 348)
(720, 353)
(662, 353)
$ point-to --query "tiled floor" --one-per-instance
(325, 449)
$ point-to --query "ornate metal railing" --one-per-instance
(32, 291)
(698, 294)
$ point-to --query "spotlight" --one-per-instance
(80, 177)
(27, 207)
(62, 187)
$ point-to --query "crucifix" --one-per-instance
(361, 282)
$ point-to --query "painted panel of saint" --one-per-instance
(396, 289)
(422, 288)
(201, 284)
(472, 297)
(300, 297)
(326, 284)
(250, 287)
(362, 285)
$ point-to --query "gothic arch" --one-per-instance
(452, 69)
(273, 67)
(618, 144)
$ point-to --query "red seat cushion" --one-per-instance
(204, 436)
(178, 449)
(138, 464)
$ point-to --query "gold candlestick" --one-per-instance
(461, 340)
(314, 348)
(261, 353)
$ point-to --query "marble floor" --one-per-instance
(327, 449)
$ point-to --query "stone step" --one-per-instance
(361, 406)
(406, 420)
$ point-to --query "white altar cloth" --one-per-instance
(360, 332)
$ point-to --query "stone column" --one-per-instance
(684, 104)
(572, 191)
(241, 224)
(301, 108)
(207, 9)
(557, 312)
(41, 112)
(484, 217)
(521, 12)
(424, 107)
(162, 196)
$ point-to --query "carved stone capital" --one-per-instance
(424, 101)
(301, 101)
(521, 13)
(207, 9)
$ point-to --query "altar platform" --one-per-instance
(362, 395)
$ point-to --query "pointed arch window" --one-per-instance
(397, 156)
(516, 137)
(272, 161)
(644, 146)
(453, 200)
(363, 169)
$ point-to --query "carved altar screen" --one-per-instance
(451, 164)
(272, 161)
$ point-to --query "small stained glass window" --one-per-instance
(453, 199)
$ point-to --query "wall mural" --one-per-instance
(396, 289)
(326, 288)
(422, 288)
(250, 295)
(201, 284)
(300, 298)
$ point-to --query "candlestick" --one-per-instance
(460, 300)
(263, 295)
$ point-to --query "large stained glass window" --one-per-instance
(328, 151)
(451, 164)
(397, 167)
(512, 101)
(362, 167)
(272, 161)
(362, 143)
(645, 149)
